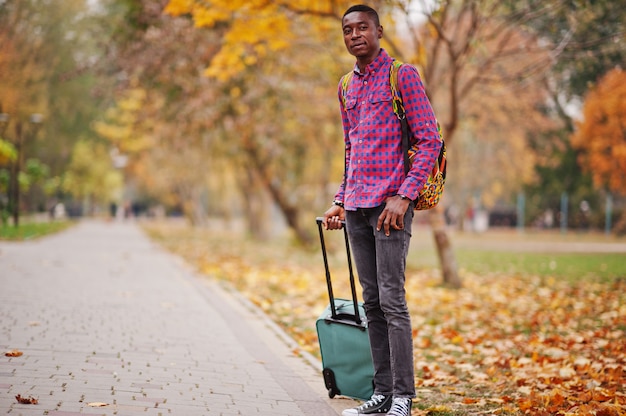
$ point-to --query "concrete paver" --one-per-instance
(103, 315)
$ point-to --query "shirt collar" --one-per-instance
(375, 65)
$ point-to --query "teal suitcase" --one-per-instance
(344, 340)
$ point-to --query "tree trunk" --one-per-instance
(190, 197)
(255, 205)
(198, 210)
(447, 259)
(290, 212)
(278, 195)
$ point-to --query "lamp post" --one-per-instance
(16, 167)
(4, 122)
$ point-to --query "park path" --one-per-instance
(533, 241)
(103, 315)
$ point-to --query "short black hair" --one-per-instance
(363, 8)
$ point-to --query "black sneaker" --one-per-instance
(400, 407)
(378, 404)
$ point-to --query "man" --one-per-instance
(376, 201)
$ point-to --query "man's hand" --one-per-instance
(393, 214)
(333, 218)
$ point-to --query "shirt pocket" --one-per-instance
(380, 97)
(350, 103)
(351, 111)
(380, 108)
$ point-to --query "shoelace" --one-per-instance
(400, 407)
(374, 401)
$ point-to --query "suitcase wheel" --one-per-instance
(330, 383)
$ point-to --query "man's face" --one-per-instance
(361, 35)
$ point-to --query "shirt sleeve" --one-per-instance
(424, 138)
(339, 196)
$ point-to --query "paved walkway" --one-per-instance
(104, 316)
(532, 241)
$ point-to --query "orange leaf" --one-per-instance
(524, 404)
(557, 399)
(601, 397)
(26, 400)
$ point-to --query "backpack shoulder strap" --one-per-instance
(398, 107)
(345, 83)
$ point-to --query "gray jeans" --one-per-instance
(380, 262)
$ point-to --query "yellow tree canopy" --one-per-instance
(602, 134)
(90, 175)
(123, 126)
(7, 151)
(255, 29)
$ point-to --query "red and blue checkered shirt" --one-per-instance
(373, 136)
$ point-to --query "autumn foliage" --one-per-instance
(13, 353)
(256, 29)
(504, 345)
(601, 135)
(26, 400)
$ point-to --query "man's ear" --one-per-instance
(380, 32)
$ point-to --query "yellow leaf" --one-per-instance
(439, 408)
(179, 7)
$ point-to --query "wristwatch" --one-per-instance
(404, 197)
(338, 203)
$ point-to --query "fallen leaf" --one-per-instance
(439, 409)
(567, 372)
(13, 353)
(523, 344)
(97, 404)
(26, 400)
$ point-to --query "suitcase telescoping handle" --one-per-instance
(334, 315)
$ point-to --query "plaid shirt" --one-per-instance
(373, 137)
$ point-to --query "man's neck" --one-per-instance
(363, 62)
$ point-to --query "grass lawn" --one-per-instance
(542, 254)
(27, 231)
(566, 266)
